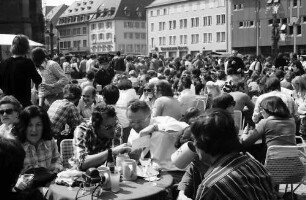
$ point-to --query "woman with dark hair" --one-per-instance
(10, 109)
(277, 128)
(165, 104)
(34, 132)
(17, 72)
(298, 68)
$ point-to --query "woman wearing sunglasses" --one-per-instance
(10, 108)
(148, 94)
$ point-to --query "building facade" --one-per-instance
(119, 25)
(177, 28)
(252, 25)
(22, 17)
(73, 26)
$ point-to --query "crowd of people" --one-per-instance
(104, 102)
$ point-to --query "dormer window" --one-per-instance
(78, 4)
(91, 2)
(104, 12)
(138, 12)
(88, 7)
(82, 8)
(76, 10)
(84, 3)
(127, 11)
(70, 10)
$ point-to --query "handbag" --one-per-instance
(42, 176)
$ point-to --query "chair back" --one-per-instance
(285, 164)
(238, 119)
(66, 147)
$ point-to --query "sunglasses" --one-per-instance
(7, 111)
(108, 127)
(147, 90)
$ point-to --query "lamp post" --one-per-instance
(51, 34)
(275, 28)
(58, 45)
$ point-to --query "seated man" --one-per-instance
(93, 138)
(64, 112)
(232, 174)
(163, 131)
(88, 101)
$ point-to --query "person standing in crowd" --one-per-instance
(17, 72)
(105, 74)
(90, 64)
(67, 67)
(90, 76)
(217, 145)
(53, 76)
(117, 63)
(83, 67)
(154, 63)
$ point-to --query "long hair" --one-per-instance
(25, 116)
(275, 106)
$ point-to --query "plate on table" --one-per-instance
(146, 172)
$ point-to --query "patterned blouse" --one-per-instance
(45, 155)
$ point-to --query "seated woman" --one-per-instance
(166, 104)
(277, 127)
(10, 108)
(34, 132)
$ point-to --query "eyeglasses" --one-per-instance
(108, 127)
(147, 90)
(7, 111)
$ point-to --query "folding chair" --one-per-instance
(286, 165)
(66, 147)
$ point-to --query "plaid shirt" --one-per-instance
(45, 155)
(236, 177)
(86, 142)
(62, 112)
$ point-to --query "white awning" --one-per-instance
(7, 39)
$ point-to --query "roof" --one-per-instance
(48, 9)
(157, 3)
(118, 9)
(82, 7)
(52, 13)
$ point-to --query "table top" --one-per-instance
(138, 189)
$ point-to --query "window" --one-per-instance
(160, 41)
(101, 25)
(125, 35)
(165, 11)
(181, 39)
(218, 19)
(172, 24)
(93, 26)
(101, 36)
(152, 27)
(137, 25)
(152, 42)
(109, 24)
(195, 22)
(137, 35)
(220, 37)
(205, 40)
(143, 36)
(151, 13)
(93, 37)
(294, 3)
(194, 38)
(183, 23)
(158, 12)
(223, 19)
(210, 37)
(185, 39)
(108, 36)
(207, 21)
(131, 35)
(174, 40)
(162, 26)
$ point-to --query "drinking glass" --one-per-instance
(115, 180)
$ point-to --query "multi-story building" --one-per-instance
(119, 25)
(252, 25)
(51, 19)
(73, 26)
(176, 28)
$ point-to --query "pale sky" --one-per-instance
(58, 2)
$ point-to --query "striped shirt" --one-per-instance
(44, 155)
(235, 177)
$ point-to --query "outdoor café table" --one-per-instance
(138, 189)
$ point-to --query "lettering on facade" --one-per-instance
(174, 48)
